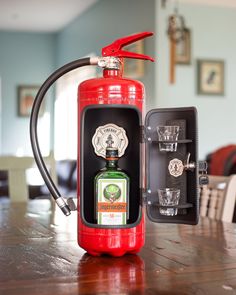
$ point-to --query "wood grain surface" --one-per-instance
(39, 255)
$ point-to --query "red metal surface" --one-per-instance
(111, 89)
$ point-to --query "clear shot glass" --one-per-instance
(165, 134)
(168, 197)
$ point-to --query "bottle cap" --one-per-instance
(112, 153)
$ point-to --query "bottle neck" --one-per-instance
(111, 164)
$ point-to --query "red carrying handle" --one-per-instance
(115, 48)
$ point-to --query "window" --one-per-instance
(66, 112)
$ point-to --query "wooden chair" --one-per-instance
(217, 199)
(16, 168)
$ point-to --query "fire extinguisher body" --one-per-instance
(111, 90)
(111, 101)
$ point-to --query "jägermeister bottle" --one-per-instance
(112, 192)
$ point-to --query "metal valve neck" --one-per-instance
(110, 62)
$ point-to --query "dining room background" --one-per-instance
(27, 58)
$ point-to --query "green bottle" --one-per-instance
(112, 192)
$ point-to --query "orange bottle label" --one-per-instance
(112, 207)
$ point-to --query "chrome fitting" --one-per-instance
(109, 62)
(189, 165)
(61, 202)
(71, 204)
(94, 60)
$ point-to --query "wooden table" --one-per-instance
(39, 255)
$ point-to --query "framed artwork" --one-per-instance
(134, 68)
(210, 77)
(26, 96)
(183, 49)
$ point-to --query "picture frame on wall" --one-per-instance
(134, 68)
(210, 77)
(26, 96)
(183, 49)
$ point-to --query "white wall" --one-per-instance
(213, 30)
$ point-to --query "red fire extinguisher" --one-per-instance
(110, 111)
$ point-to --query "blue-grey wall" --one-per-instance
(104, 22)
(25, 59)
(28, 58)
(212, 38)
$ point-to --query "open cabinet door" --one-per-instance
(173, 169)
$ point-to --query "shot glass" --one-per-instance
(168, 197)
(165, 134)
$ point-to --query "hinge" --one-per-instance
(145, 134)
(142, 134)
(145, 196)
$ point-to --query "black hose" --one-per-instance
(33, 128)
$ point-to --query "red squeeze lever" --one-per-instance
(115, 48)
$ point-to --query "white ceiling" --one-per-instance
(53, 15)
(40, 15)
